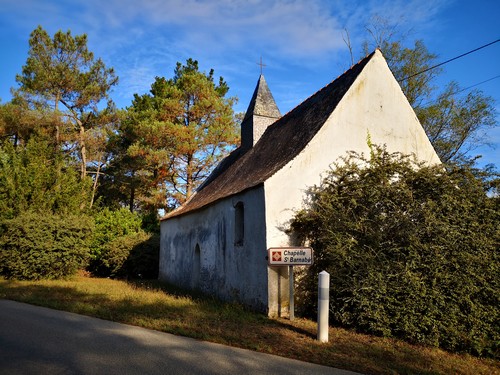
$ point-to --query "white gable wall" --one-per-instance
(374, 106)
(198, 250)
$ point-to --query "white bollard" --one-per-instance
(323, 305)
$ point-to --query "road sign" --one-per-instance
(290, 256)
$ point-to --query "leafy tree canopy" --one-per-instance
(174, 136)
(61, 70)
(62, 74)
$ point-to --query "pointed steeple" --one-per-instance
(262, 112)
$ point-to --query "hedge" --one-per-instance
(412, 251)
(44, 246)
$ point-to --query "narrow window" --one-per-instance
(239, 224)
(196, 266)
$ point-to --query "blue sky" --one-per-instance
(300, 41)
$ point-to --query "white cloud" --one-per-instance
(146, 38)
(301, 30)
(290, 27)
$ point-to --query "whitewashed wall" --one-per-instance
(228, 271)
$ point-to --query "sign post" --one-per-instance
(290, 256)
(291, 292)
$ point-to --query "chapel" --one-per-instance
(217, 241)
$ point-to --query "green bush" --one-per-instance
(36, 177)
(143, 261)
(43, 246)
(412, 251)
(112, 224)
(120, 248)
(134, 255)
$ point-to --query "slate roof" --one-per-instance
(262, 102)
(280, 143)
(262, 112)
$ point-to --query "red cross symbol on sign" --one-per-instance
(276, 256)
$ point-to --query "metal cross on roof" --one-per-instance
(261, 65)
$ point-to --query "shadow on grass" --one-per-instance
(87, 300)
(154, 305)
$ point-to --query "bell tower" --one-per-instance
(262, 112)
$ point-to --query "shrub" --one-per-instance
(143, 261)
(43, 246)
(120, 248)
(111, 224)
(134, 255)
(412, 251)
(36, 177)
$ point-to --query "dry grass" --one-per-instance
(150, 305)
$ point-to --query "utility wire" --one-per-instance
(477, 84)
(447, 61)
(461, 90)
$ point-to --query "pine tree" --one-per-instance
(175, 135)
(62, 74)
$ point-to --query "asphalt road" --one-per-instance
(37, 340)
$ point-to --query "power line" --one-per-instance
(447, 61)
(462, 90)
(477, 84)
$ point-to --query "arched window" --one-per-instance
(196, 266)
(239, 223)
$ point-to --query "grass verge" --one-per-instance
(155, 306)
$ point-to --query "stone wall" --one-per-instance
(199, 250)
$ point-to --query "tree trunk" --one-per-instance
(58, 126)
(57, 145)
(189, 177)
(83, 151)
(94, 187)
(132, 197)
